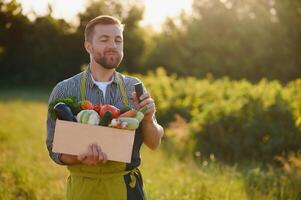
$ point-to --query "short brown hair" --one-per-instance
(102, 19)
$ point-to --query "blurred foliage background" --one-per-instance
(249, 39)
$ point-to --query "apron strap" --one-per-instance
(83, 86)
(122, 90)
(119, 82)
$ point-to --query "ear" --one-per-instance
(88, 46)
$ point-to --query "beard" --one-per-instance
(108, 59)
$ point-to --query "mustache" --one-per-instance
(111, 51)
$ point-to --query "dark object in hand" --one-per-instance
(138, 90)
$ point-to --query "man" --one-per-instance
(92, 176)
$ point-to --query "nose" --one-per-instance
(113, 44)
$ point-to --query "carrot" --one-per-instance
(130, 113)
(86, 105)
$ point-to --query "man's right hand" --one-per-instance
(93, 155)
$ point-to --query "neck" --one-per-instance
(100, 73)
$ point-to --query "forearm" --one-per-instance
(69, 159)
(152, 134)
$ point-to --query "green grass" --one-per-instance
(26, 171)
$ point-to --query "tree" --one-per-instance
(12, 36)
(240, 39)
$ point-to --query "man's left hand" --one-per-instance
(145, 100)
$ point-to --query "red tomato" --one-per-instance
(114, 111)
(97, 107)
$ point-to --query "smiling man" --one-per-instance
(92, 176)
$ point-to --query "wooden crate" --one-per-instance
(73, 138)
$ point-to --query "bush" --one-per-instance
(234, 120)
(251, 133)
(272, 183)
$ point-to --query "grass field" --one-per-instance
(26, 171)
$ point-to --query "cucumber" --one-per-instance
(132, 123)
(143, 110)
(140, 113)
(139, 116)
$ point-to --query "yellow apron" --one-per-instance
(102, 181)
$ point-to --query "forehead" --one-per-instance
(111, 30)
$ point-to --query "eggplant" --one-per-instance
(63, 112)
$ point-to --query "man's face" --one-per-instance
(106, 45)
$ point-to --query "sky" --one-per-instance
(155, 10)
